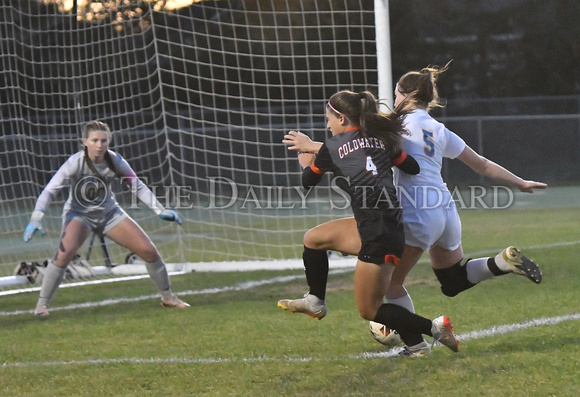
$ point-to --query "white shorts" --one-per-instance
(438, 226)
(100, 225)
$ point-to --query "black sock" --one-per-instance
(492, 266)
(410, 326)
(316, 269)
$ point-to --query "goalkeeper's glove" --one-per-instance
(171, 216)
(34, 225)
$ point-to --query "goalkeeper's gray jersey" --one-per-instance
(90, 193)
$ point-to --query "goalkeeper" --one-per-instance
(91, 207)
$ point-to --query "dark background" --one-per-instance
(209, 90)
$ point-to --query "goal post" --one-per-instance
(199, 99)
(383, 39)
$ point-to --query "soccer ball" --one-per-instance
(383, 335)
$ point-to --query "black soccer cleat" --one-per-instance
(512, 260)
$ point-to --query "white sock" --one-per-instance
(52, 278)
(501, 262)
(477, 270)
(404, 301)
(158, 273)
(418, 347)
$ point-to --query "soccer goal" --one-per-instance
(198, 98)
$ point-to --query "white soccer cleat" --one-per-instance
(385, 336)
(443, 333)
(310, 304)
(174, 301)
(512, 260)
(419, 350)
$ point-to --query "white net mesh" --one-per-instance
(199, 100)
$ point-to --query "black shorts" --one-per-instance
(382, 235)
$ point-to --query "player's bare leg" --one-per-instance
(338, 235)
(397, 293)
(370, 286)
(131, 236)
(73, 236)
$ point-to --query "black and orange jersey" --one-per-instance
(364, 167)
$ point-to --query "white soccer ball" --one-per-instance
(384, 335)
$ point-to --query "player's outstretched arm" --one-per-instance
(59, 181)
(35, 225)
(488, 168)
(300, 142)
(143, 193)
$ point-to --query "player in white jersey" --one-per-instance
(91, 207)
(431, 216)
(432, 225)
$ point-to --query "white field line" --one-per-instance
(267, 265)
(237, 287)
(208, 291)
(497, 330)
(83, 283)
(493, 331)
(485, 333)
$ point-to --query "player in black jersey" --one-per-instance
(365, 144)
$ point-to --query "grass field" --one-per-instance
(115, 339)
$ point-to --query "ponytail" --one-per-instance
(362, 109)
(421, 86)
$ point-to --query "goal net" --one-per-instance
(199, 99)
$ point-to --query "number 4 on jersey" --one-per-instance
(371, 167)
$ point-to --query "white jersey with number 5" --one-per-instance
(429, 213)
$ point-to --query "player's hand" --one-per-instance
(529, 186)
(171, 216)
(35, 225)
(300, 142)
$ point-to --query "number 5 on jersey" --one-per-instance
(429, 144)
(371, 167)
